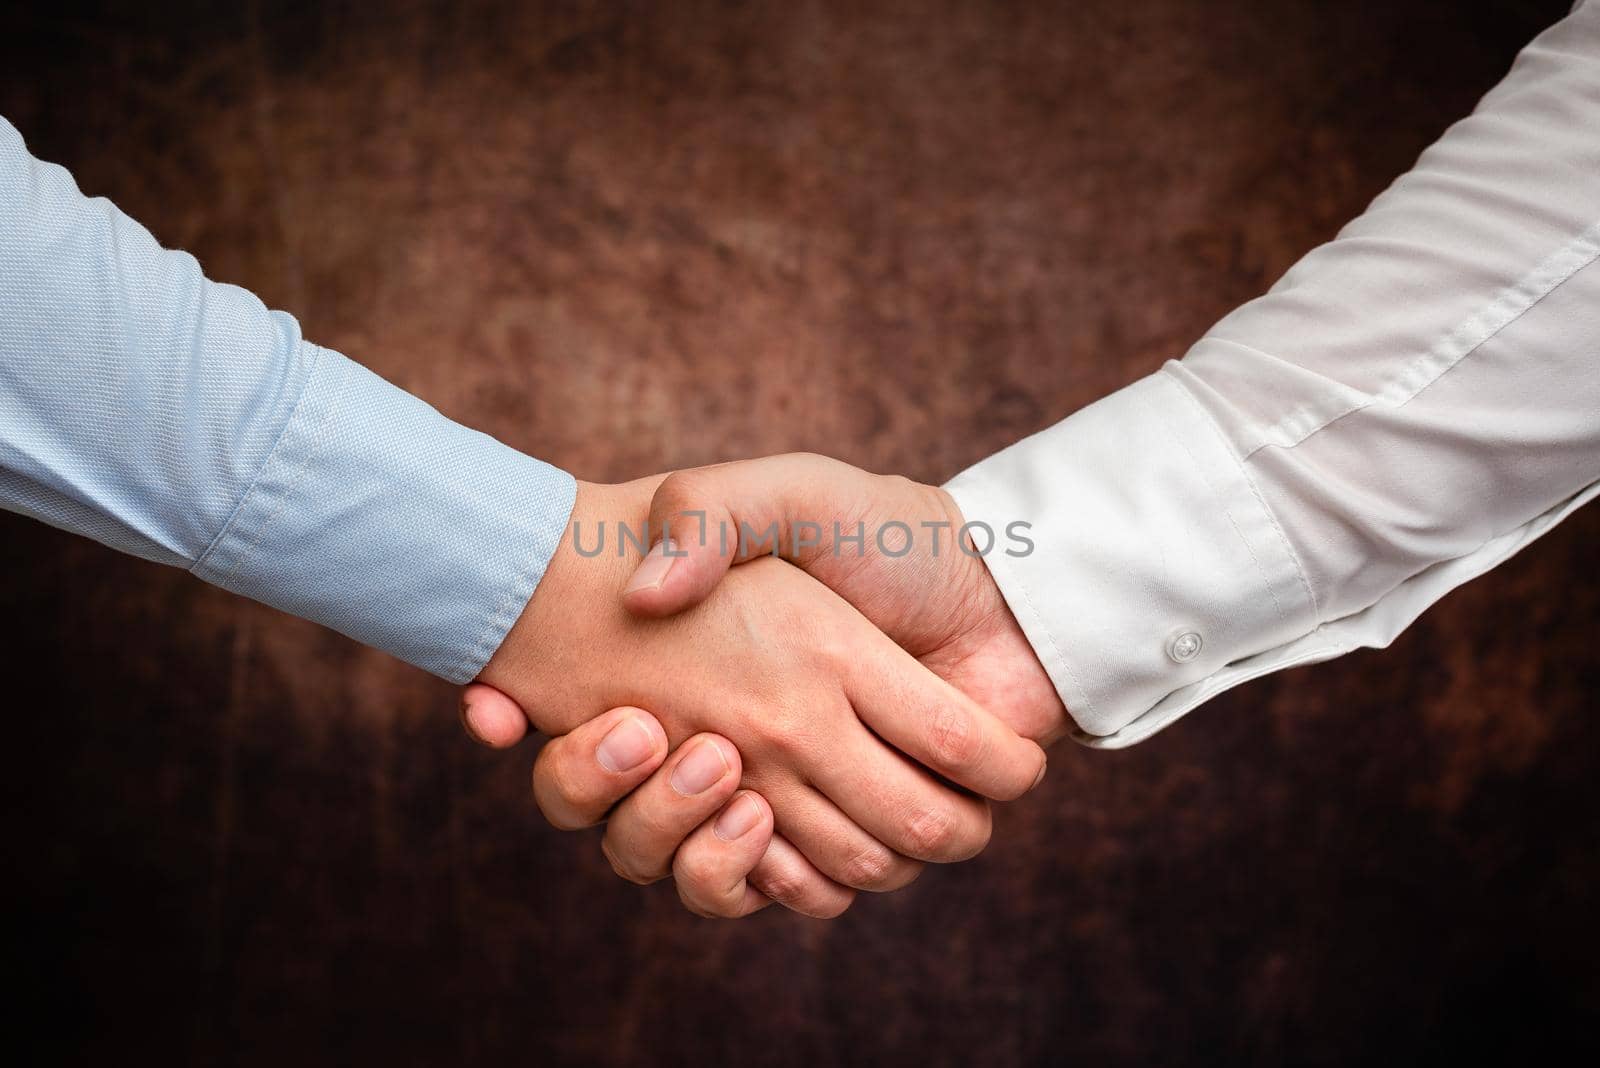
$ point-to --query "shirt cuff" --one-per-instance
(380, 518)
(1155, 571)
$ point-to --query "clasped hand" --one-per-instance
(868, 704)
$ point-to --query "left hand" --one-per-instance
(616, 768)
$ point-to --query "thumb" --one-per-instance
(707, 519)
(492, 717)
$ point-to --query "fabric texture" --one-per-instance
(179, 419)
(1409, 405)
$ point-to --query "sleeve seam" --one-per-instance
(1197, 466)
(1255, 492)
(1416, 374)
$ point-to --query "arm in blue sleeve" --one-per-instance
(181, 420)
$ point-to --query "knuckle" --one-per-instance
(832, 646)
(871, 868)
(554, 815)
(647, 820)
(697, 868)
(782, 730)
(933, 834)
(560, 776)
(554, 803)
(784, 885)
(680, 489)
(624, 865)
(898, 486)
(822, 463)
(954, 741)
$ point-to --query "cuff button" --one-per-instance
(1184, 646)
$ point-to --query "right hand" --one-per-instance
(938, 601)
(823, 708)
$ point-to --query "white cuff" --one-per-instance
(1155, 565)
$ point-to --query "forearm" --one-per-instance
(1407, 406)
(181, 420)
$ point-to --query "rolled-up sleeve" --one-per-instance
(1411, 404)
(181, 420)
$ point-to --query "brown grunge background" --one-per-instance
(627, 237)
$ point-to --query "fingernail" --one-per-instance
(652, 570)
(702, 769)
(469, 722)
(625, 746)
(1039, 778)
(737, 819)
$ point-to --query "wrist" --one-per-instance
(990, 634)
(571, 626)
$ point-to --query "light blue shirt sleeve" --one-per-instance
(181, 420)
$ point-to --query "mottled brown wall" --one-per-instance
(627, 237)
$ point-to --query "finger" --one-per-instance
(726, 514)
(836, 846)
(936, 725)
(785, 876)
(580, 775)
(898, 803)
(650, 823)
(711, 868)
(491, 717)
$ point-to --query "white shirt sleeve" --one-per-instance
(1410, 405)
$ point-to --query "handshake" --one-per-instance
(825, 717)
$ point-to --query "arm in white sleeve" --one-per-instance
(1408, 406)
(178, 419)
